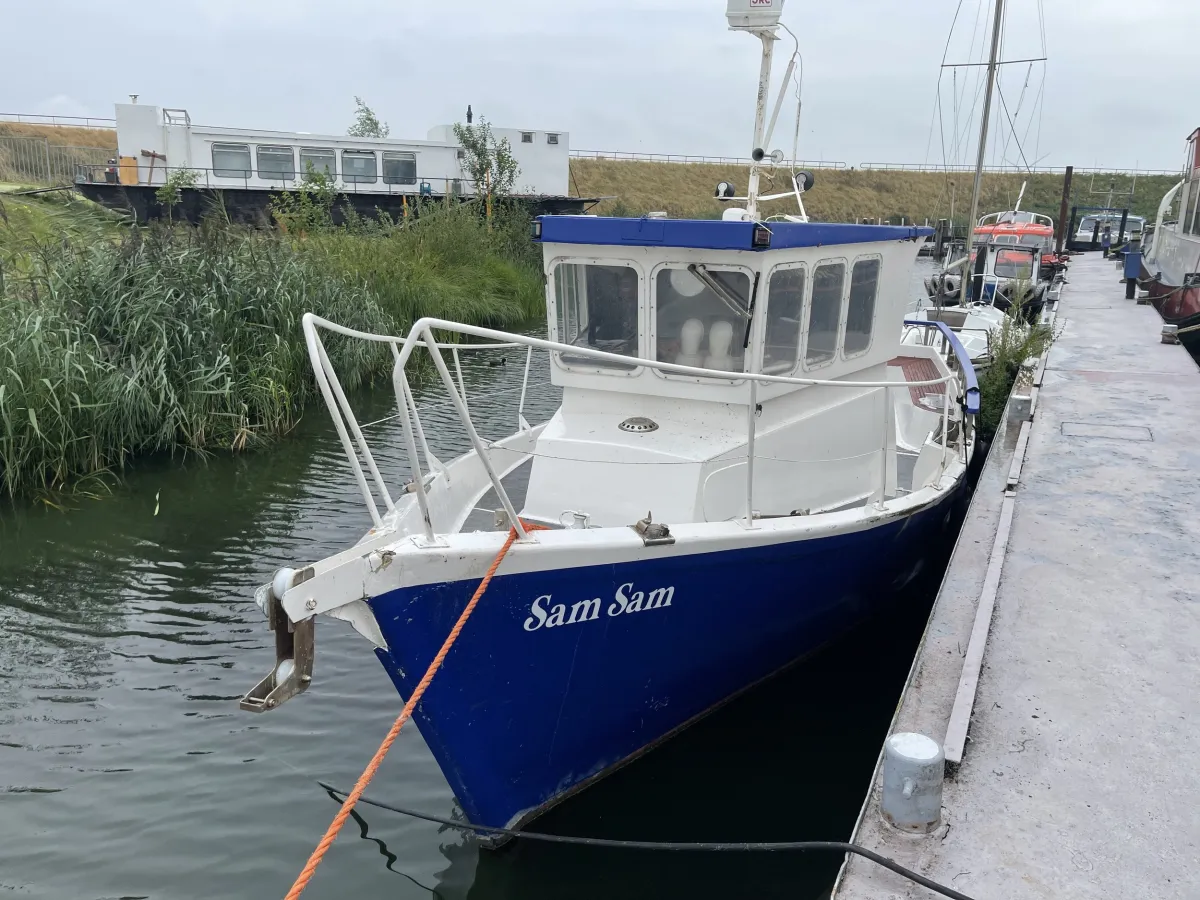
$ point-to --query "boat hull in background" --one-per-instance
(1173, 260)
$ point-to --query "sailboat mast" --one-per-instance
(983, 127)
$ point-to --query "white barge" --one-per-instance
(248, 165)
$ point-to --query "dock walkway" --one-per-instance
(1081, 775)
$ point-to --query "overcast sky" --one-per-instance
(1120, 84)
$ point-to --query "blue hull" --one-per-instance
(531, 705)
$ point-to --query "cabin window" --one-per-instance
(526, 137)
(860, 313)
(785, 306)
(1034, 240)
(231, 160)
(1013, 264)
(399, 168)
(317, 161)
(552, 139)
(596, 306)
(824, 314)
(359, 167)
(276, 163)
(700, 317)
(1188, 219)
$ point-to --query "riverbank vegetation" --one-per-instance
(118, 341)
(845, 195)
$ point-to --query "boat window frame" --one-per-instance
(230, 146)
(749, 358)
(552, 315)
(392, 179)
(1034, 262)
(1189, 218)
(360, 153)
(278, 150)
(835, 356)
(844, 326)
(765, 306)
(331, 151)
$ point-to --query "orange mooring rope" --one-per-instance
(364, 779)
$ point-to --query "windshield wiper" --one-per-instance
(735, 303)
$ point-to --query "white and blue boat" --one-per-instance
(746, 462)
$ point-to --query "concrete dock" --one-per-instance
(1080, 768)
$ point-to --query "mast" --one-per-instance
(983, 127)
(760, 114)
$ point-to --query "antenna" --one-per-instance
(760, 18)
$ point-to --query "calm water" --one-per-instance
(126, 769)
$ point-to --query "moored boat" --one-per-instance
(746, 462)
(1171, 259)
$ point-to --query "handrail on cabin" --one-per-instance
(421, 335)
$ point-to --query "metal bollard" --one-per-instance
(913, 769)
(1170, 334)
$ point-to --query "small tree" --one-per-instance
(366, 123)
(488, 162)
(171, 191)
(310, 206)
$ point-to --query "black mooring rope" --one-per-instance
(707, 846)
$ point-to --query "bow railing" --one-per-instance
(373, 485)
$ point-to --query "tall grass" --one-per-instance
(63, 135)
(444, 262)
(174, 338)
(842, 195)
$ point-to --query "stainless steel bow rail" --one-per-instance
(375, 489)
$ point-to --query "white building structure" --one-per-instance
(153, 141)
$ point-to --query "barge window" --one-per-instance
(860, 315)
(399, 168)
(317, 161)
(276, 163)
(1013, 264)
(597, 307)
(1188, 216)
(696, 326)
(526, 137)
(785, 305)
(359, 167)
(824, 313)
(552, 139)
(231, 160)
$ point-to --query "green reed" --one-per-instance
(168, 339)
(441, 261)
(171, 339)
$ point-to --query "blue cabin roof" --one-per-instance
(713, 234)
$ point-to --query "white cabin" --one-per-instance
(793, 300)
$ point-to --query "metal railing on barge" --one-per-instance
(354, 443)
(254, 179)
